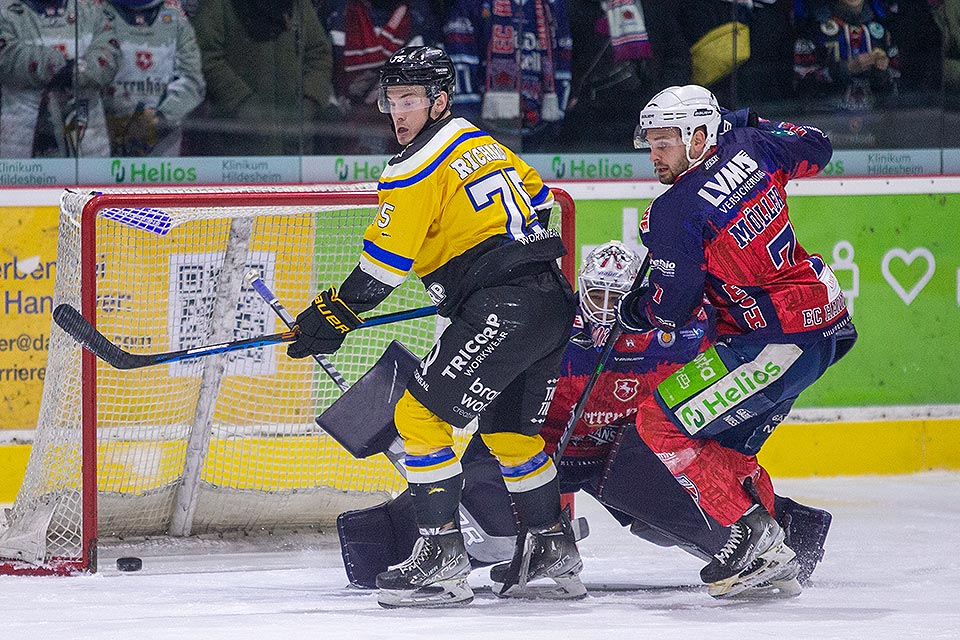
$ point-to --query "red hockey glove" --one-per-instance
(323, 325)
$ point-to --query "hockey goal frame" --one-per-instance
(356, 196)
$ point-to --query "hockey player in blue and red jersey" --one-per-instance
(605, 456)
(721, 233)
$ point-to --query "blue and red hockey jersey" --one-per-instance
(722, 232)
(638, 363)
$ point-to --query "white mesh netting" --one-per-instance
(169, 277)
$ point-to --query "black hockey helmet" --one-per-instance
(428, 67)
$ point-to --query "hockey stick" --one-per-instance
(492, 548)
(608, 345)
(254, 280)
(80, 329)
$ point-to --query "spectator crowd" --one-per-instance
(109, 78)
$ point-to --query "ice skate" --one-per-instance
(547, 553)
(755, 553)
(434, 575)
(786, 585)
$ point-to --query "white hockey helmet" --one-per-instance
(685, 108)
(606, 273)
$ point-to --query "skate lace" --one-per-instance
(421, 552)
(733, 542)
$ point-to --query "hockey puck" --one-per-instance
(129, 564)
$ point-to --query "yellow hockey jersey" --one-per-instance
(444, 197)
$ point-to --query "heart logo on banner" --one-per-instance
(908, 258)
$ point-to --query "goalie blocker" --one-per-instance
(361, 419)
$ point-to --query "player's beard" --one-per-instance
(670, 175)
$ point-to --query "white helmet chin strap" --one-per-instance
(695, 161)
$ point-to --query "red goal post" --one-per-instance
(219, 444)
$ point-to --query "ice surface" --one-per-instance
(891, 572)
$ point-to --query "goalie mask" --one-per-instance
(606, 274)
(683, 108)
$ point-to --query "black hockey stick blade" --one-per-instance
(73, 322)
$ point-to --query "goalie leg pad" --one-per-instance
(664, 507)
(375, 538)
(806, 531)
(371, 540)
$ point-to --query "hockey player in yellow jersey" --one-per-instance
(461, 211)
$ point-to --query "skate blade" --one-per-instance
(440, 594)
(771, 590)
(775, 565)
(565, 588)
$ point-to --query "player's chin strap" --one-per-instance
(608, 345)
(695, 161)
(446, 112)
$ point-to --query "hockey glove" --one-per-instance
(630, 315)
(738, 119)
(323, 325)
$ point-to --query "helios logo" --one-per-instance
(737, 386)
(341, 169)
(162, 172)
(590, 167)
(558, 167)
(360, 169)
(117, 171)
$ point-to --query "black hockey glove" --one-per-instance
(738, 119)
(323, 325)
(629, 314)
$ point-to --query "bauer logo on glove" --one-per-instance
(323, 325)
(325, 302)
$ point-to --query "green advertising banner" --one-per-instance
(898, 260)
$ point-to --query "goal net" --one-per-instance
(225, 443)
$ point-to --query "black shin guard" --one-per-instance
(436, 503)
(540, 507)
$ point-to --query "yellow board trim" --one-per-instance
(800, 450)
(796, 450)
(13, 464)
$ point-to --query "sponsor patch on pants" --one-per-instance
(704, 389)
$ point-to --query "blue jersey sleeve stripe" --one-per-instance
(398, 262)
(541, 196)
(427, 170)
